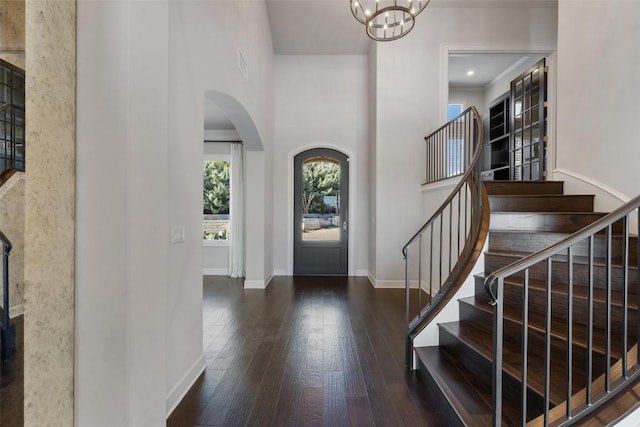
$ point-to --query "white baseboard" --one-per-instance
(592, 182)
(607, 199)
(255, 284)
(385, 283)
(178, 392)
(280, 272)
(372, 279)
(362, 272)
(390, 284)
(215, 272)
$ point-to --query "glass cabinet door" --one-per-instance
(528, 93)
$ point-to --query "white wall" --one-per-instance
(468, 97)
(143, 69)
(122, 226)
(502, 84)
(204, 60)
(409, 106)
(598, 63)
(371, 161)
(320, 101)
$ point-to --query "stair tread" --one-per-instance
(577, 259)
(480, 341)
(558, 327)
(579, 291)
(471, 403)
(599, 294)
(542, 187)
(566, 233)
(560, 221)
(541, 202)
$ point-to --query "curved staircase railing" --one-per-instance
(441, 254)
(609, 260)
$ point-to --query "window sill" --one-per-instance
(215, 242)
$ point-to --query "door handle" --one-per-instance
(344, 228)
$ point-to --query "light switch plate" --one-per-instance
(177, 234)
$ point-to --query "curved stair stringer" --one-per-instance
(449, 296)
(630, 395)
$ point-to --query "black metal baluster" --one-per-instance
(525, 345)
(547, 345)
(569, 330)
(590, 322)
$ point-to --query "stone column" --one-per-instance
(49, 212)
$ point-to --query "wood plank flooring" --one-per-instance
(307, 351)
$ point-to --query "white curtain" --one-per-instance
(236, 244)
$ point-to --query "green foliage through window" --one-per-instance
(321, 182)
(216, 195)
(216, 187)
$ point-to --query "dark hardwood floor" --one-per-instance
(306, 351)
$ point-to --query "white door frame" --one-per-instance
(549, 51)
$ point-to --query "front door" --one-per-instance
(321, 212)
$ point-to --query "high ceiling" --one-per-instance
(327, 27)
(315, 27)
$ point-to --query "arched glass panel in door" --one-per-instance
(321, 204)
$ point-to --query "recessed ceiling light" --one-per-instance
(470, 73)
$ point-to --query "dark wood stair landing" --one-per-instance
(527, 217)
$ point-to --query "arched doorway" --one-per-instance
(321, 212)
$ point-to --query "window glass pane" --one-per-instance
(517, 157)
(216, 198)
(453, 111)
(455, 157)
(535, 77)
(321, 199)
(518, 89)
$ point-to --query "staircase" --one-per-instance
(527, 217)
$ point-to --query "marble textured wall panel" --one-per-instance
(49, 213)
(12, 24)
(12, 225)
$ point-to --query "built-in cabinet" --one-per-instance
(514, 130)
(497, 135)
